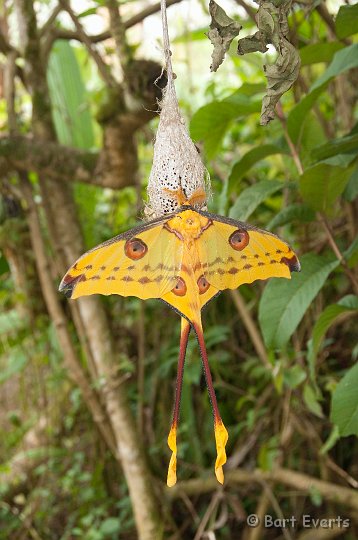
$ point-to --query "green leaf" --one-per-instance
(11, 321)
(328, 316)
(194, 35)
(344, 412)
(351, 189)
(252, 197)
(110, 526)
(16, 363)
(251, 89)
(4, 265)
(294, 212)
(343, 60)
(267, 454)
(351, 254)
(249, 159)
(311, 401)
(297, 116)
(210, 123)
(347, 21)
(284, 302)
(319, 52)
(90, 11)
(294, 376)
(314, 493)
(70, 107)
(322, 184)
(343, 145)
(331, 441)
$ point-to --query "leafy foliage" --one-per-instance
(283, 353)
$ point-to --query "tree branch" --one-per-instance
(48, 158)
(249, 10)
(102, 66)
(62, 33)
(251, 328)
(8, 49)
(50, 21)
(66, 164)
(118, 30)
(302, 482)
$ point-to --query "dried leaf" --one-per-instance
(222, 31)
(251, 44)
(273, 29)
(280, 77)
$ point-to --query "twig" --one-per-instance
(294, 153)
(256, 533)
(251, 328)
(277, 508)
(249, 10)
(6, 48)
(49, 23)
(118, 32)
(150, 10)
(211, 508)
(328, 19)
(102, 66)
(23, 518)
(338, 253)
(62, 33)
(9, 91)
(140, 367)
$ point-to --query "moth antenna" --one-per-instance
(172, 437)
(221, 434)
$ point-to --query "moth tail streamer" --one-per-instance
(221, 438)
(221, 434)
(172, 437)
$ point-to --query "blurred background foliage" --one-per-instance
(283, 354)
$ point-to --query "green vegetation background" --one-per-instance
(283, 353)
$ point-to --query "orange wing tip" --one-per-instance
(172, 469)
(221, 438)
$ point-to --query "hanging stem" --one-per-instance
(166, 43)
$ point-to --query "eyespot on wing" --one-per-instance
(180, 288)
(135, 249)
(239, 239)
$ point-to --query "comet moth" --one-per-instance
(184, 258)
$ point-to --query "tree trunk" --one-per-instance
(65, 234)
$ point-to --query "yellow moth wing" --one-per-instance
(233, 253)
(112, 267)
(191, 303)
